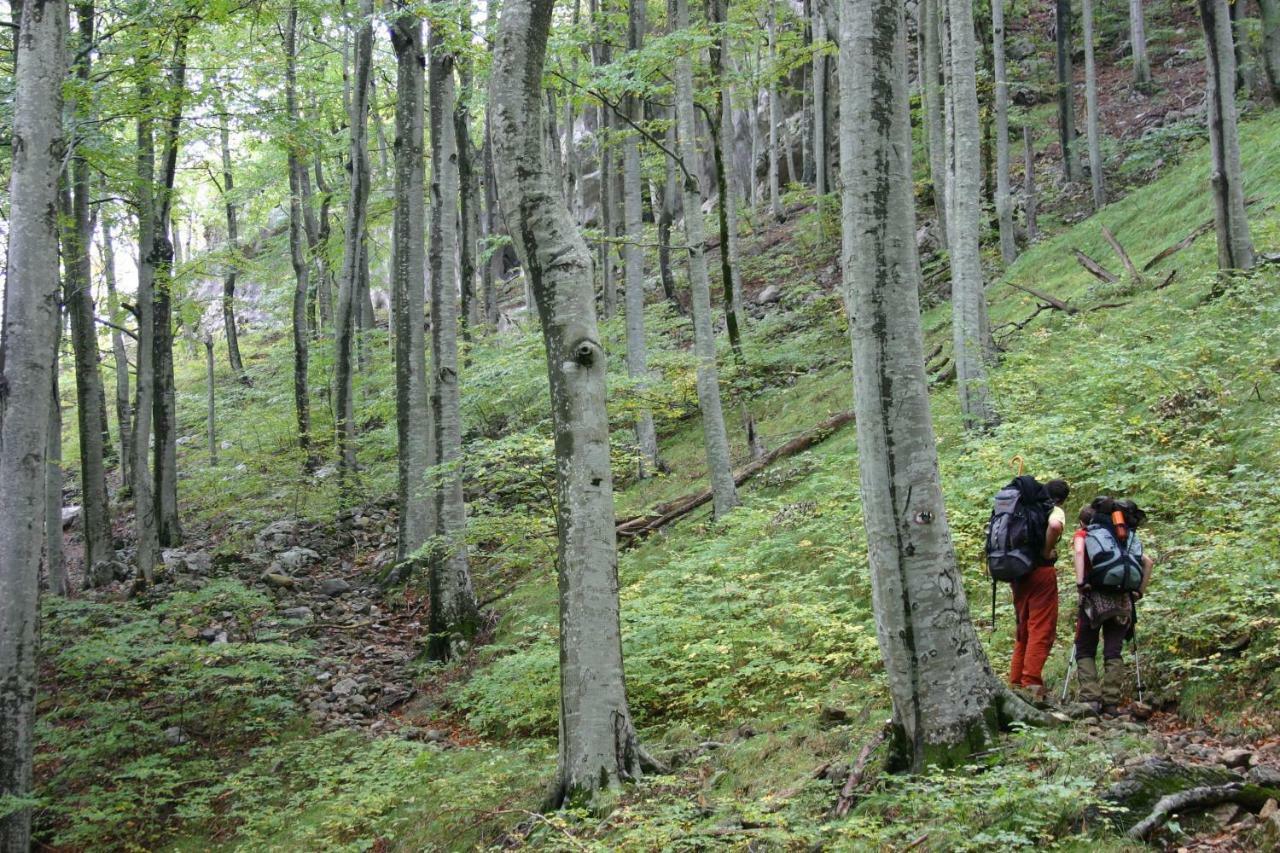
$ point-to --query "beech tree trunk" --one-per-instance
(233, 247)
(1066, 93)
(1271, 45)
(27, 348)
(1029, 183)
(1231, 224)
(121, 357)
(933, 74)
(1138, 44)
(715, 438)
(1091, 106)
(55, 564)
(775, 114)
(819, 103)
(946, 700)
(728, 203)
(492, 274)
(469, 194)
(667, 218)
(968, 296)
(143, 495)
(356, 217)
(1004, 197)
(637, 350)
(598, 744)
(297, 241)
(454, 617)
(408, 279)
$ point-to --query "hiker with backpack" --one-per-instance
(1112, 572)
(1022, 542)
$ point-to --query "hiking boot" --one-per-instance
(1090, 687)
(1113, 682)
(1094, 707)
(1110, 712)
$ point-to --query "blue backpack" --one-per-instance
(1114, 564)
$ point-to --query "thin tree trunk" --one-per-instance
(144, 300)
(1004, 197)
(324, 229)
(935, 108)
(55, 564)
(492, 217)
(233, 247)
(1091, 105)
(968, 299)
(27, 350)
(666, 218)
(723, 157)
(819, 104)
(1029, 183)
(209, 387)
(408, 265)
(1270, 45)
(453, 616)
(469, 193)
(715, 438)
(1066, 93)
(123, 412)
(775, 112)
(1138, 45)
(1235, 245)
(349, 282)
(297, 240)
(946, 700)
(598, 744)
(379, 132)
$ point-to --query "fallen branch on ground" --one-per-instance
(1200, 230)
(845, 802)
(1124, 256)
(1051, 301)
(1096, 269)
(1168, 280)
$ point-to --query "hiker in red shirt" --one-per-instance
(1035, 601)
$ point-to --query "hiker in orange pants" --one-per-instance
(1035, 601)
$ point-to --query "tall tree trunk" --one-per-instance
(1066, 93)
(1004, 197)
(1235, 245)
(144, 497)
(324, 229)
(453, 617)
(469, 192)
(819, 104)
(233, 247)
(208, 374)
(667, 217)
(946, 700)
(408, 265)
(598, 744)
(1271, 45)
(297, 241)
(492, 218)
(1092, 123)
(356, 217)
(121, 357)
(55, 564)
(715, 438)
(27, 348)
(935, 107)
(637, 351)
(1138, 45)
(775, 113)
(1029, 183)
(968, 297)
(718, 12)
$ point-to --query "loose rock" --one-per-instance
(1241, 758)
(333, 587)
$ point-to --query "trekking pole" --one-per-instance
(1137, 661)
(1071, 668)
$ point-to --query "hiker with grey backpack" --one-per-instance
(1112, 573)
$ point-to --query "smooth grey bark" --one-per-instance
(1138, 44)
(1231, 224)
(297, 240)
(55, 565)
(934, 96)
(408, 280)
(453, 617)
(946, 701)
(727, 208)
(715, 438)
(147, 537)
(666, 216)
(211, 423)
(775, 112)
(598, 744)
(1092, 124)
(356, 218)
(124, 413)
(1004, 197)
(231, 272)
(633, 227)
(469, 191)
(492, 273)
(324, 230)
(968, 297)
(1029, 183)
(1066, 92)
(27, 347)
(1270, 45)
(819, 103)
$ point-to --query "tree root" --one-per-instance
(1191, 798)
(856, 772)
(1014, 709)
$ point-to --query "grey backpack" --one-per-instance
(1114, 564)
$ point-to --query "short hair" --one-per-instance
(1086, 515)
(1058, 490)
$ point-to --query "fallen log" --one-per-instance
(1124, 256)
(1096, 269)
(1052, 301)
(663, 514)
(1200, 230)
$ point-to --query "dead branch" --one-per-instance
(663, 514)
(856, 772)
(1052, 301)
(1095, 269)
(1124, 256)
(1168, 280)
(1191, 798)
(1200, 230)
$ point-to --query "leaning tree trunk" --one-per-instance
(357, 215)
(453, 616)
(598, 744)
(968, 297)
(1004, 197)
(637, 351)
(1138, 44)
(55, 564)
(27, 348)
(1091, 106)
(408, 278)
(233, 247)
(121, 357)
(1066, 93)
(715, 438)
(935, 107)
(1271, 45)
(946, 701)
(1235, 245)
(297, 240)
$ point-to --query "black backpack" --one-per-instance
(1016, 531)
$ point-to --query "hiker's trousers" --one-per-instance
(1035, 601)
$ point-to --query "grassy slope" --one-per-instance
(749, 627)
